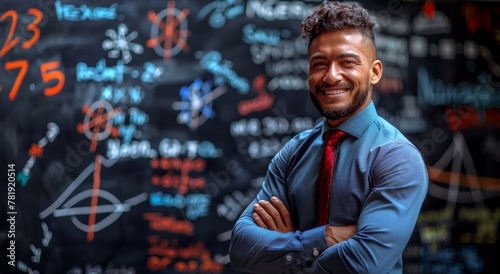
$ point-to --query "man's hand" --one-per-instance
(337, 234)
(273, 215)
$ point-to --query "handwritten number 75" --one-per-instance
(48, 71)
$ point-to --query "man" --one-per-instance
(379, 179)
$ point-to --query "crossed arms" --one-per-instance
(271, 235)
(274, 215)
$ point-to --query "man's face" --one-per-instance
(342, 70)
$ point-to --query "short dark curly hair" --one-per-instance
(337, 16)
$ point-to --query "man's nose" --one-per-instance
(332, 75)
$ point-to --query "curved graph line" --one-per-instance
(458, 155)
(441, 192)
(73, 185)
(116, 208)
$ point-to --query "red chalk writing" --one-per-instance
(158, 222)
(177, 175)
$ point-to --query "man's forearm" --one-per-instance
(337, 234)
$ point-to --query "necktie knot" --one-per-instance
(333, 136)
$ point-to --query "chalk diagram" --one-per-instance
(97, 124)
(169, 31)
(64, 206)
(222, 11)
(458, 155)
(196, 105)
(120, 42)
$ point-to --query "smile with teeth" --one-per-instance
(335, 91)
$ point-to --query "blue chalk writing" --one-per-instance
(212, 61)
(133, 95)
(253, 35)
(101, 72)
(461, 259)
(222, 11)
(80, 13)
(436, 92)
(196, 205)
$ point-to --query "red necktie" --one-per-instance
(326, 174)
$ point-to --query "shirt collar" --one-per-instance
(357, 124)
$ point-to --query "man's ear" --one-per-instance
(376, 72)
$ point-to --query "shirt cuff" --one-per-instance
(313, 243)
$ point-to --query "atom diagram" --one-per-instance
(120, 42)
(97, 124)
(169, 31)
(196, 105)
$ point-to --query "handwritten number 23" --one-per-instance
(12, 41)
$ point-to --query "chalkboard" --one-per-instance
(133, 133)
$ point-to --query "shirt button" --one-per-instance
(315, 252)
(288, 257)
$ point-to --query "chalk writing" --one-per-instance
(222, 71)
(135, 149)
(32, 27)
(49, 72)
(158, 222)
(435, 215)
(68, 12)
(263, 100)
(434, 233)
(182, 182)
(128, 128)
(166, 252)
(171, 148)
(459, 118)
(285, 66)
(392, 50)
(270, 126)
(101, 72)
(435, 92)
(272, 10)
(221, 12)
(235, 203)
(393, 24)
(98, 269)
(285, 49)
(438, 23)
(486, 225)
(409, 119)
(196, 205)
(251, 34)
(463, 259)
(126, 95)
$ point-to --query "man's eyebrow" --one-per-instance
(317, 56)
(342, 55)
(350, 55)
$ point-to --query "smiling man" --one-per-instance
(341, 204)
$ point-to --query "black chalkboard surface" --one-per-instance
(133, 133)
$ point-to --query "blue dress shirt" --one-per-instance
(380, 182)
